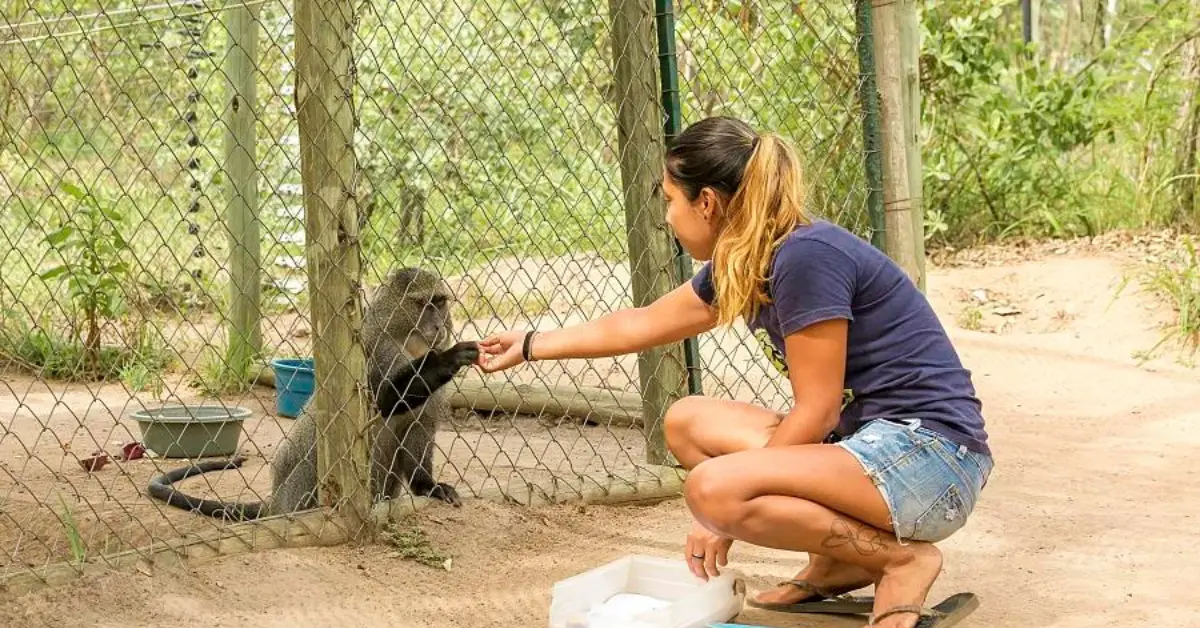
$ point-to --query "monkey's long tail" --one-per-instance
(161, 488)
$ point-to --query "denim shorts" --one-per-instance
(930, 483)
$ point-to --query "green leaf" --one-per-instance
(58, 237)
(112, 214)
(73, 190)
(114, 304)
(54, 272)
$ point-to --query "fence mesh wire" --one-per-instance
(488, 152)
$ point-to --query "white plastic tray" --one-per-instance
(693, 603)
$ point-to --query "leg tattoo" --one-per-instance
(865, 540)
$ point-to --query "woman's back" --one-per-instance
(899, 361)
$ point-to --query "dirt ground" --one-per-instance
(1088, 520)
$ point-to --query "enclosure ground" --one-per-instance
(1088, 520)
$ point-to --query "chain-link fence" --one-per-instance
(137, 271)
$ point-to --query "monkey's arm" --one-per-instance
(407, 387)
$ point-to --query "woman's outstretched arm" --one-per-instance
(676, 315)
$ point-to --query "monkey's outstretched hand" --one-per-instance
(446, 364)
(408, 386)
(500, 351)
(462, 354)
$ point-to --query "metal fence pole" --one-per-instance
(672, 125)
(872, 153)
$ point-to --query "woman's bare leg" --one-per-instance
(814, 498)
(700, 428)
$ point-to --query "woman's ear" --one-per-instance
(708, 204)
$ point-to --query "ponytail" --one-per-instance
(760, 179)
(767, 206)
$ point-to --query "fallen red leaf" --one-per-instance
(95, 462)
(132, 451)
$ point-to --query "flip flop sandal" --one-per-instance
(820, 602)
(943, 615)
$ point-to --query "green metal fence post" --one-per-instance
(872, 141)
(664, 15)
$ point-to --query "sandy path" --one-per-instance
(1089, 519)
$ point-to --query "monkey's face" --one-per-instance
(417, 303)
(433, 327)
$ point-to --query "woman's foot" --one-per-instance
(905, 583)
(824, 578)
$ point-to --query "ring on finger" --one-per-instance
(700, 557)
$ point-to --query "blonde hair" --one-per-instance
(761, 180)
(768, 205)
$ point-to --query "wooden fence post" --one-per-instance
(241, 190)
(910, 41)
(325, 76)
(662, 371)
(898, 206)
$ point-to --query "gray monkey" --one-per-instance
(406, 333)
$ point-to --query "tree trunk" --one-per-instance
(91, 345)
(241, 189)
(1186, 173)
(412, 216)
(1066, 35)
(1031, 27)
(900, 206)
(1110, 16)
(328, 169)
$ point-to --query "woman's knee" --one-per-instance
(679, 422)
(698, 428)
(713, 496)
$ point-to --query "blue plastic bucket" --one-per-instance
(293, 385)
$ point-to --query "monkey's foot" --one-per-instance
(446, 493)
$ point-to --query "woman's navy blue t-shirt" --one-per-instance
(900, 363)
